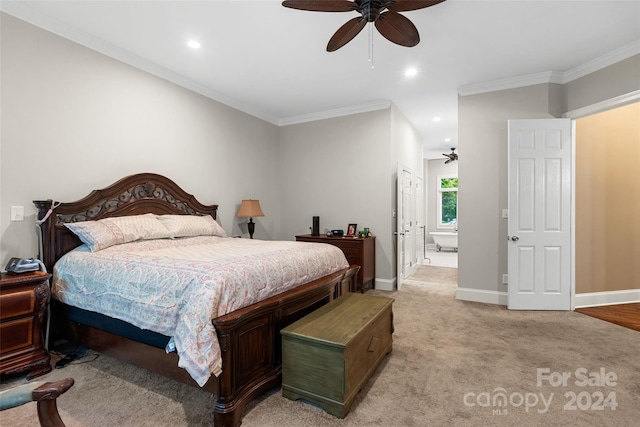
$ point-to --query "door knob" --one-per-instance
(514, 238)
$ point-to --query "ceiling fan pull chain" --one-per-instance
(371, 43)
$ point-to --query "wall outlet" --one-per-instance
(17, 213)
(505, 279)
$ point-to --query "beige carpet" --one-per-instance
(435, 274)
(450, 359)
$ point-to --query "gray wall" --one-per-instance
(74, 120)
(618, 79)
(482, 172)
(343, 170)
(482, 128)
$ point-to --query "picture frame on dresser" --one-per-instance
(351, 229)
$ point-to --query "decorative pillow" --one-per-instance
(191, 225)
(107, 232)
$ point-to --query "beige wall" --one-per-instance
(608, 200)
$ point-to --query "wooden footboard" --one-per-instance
(249, 339)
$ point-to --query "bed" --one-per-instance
(247, 338)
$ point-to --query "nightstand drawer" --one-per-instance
(17, 304)
(24, 299)
(16, 335)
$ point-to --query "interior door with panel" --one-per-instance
(420, 222)
(404, 225)
(539, 230)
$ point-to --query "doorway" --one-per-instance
(441, 212)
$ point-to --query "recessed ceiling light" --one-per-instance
(447, 139)
(436, 119)
(410, 72)
(194, 44)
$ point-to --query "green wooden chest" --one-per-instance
(329, 355)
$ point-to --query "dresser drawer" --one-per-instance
(358, 251)
(353, 255)
(17, 304)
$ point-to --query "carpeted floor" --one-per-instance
(434, 274)
(454, 363)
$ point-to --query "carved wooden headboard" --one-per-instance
(133, 195)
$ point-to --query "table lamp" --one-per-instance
(249, 209)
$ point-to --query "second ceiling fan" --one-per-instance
(393, 26)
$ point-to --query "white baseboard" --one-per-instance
(481, 295)
(594, 299)
(591, 299)
(385, 285)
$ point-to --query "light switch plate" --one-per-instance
(17, 213)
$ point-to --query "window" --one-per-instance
(447, 201)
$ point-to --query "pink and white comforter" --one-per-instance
(175, 287)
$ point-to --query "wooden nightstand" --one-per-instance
(358, 250)
(23, 303)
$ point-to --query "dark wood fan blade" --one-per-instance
(397, 29)
(346, 33)
(405, 5)
(321, 5)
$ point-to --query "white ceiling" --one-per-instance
(270, 61)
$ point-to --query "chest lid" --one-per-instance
(338, 322)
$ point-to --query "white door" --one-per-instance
(404, 226)
(539, 230)
(420, 221)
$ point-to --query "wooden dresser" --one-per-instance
(328, 355)
(358, 250)
(23, 303)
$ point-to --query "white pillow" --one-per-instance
(107, 232)
(191, 225)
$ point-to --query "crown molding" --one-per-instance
(511, 83)
(338, 112)
(28, 14)
(558, 77)
(603, 61)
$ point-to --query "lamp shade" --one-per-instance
(250, 208)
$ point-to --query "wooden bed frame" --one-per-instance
(249, 338)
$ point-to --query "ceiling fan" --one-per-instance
(451, 157)
(394, 27)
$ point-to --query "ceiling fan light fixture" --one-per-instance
(451, 157)
(384, 14)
